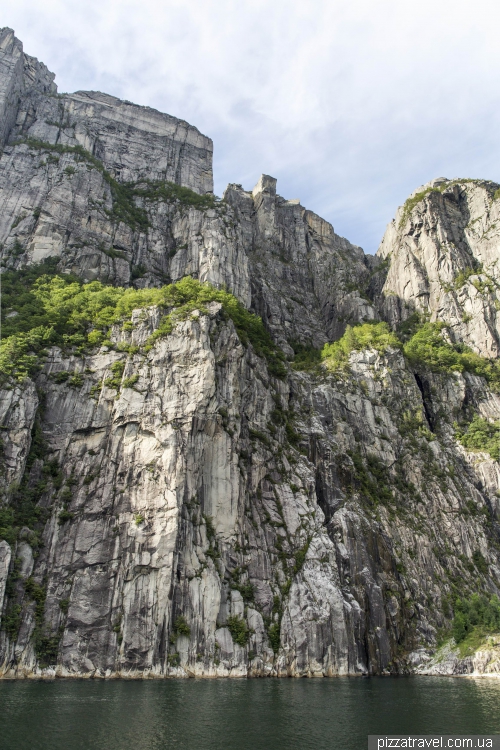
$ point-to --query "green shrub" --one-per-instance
(292, 435)
(63, 311)
(427, 348)
(475, 614)
(238, 629)
(274, 635)
(371, 479)
(76, 380)
(480, 562)
(24, 509)
(46, 647)
(366, 336)
(462, 277)
(130, 382)
(306, 358)
(17, 249)
(246, 590)
(7, 530)
(64, 516)
(11, 621)
(36, 592)
(258, 435)
(300, 557)
(481, 435)
(210, 528)
(181, 627)
(137, 272)
(117, 369)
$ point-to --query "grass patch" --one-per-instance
(18, 220)
(410, 203)
(425, 347)
(130, 382)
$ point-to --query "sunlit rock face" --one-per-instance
(204, 516)
(443, 248)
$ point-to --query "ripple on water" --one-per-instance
(240, 714)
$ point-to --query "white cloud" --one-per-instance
(351, 105)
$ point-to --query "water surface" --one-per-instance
(260, 714)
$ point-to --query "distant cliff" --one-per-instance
(232, 444)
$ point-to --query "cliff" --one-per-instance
(191, 490)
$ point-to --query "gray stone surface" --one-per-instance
(5, 558)
(452, 230)
(331, 513)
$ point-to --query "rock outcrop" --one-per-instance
(200, 513)
(443, 250)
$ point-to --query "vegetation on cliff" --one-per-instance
(424, 345)
(480, 435)
(41, 309)
(474, 619)
(366, 336)
(429, 348)
(125, 206)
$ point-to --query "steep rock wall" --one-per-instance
(198, 515)
(443, 251)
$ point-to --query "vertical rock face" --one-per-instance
(443, 250)
(11, 82)
(196, 511)
(20, 75)
(307, 282)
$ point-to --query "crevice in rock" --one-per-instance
(424, 389)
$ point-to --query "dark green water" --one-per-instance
(240, 714)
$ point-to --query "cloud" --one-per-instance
(351, 105)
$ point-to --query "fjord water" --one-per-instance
(288, 714)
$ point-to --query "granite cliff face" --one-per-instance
(443, 245)
(200, 512)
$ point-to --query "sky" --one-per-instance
(351, 105)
